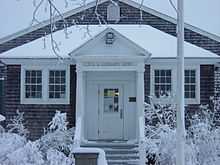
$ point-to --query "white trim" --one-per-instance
(148, 60)
(173, 69)
(188, 61)
(197, 99)
(173, 84)
(41, 61)
(45, 80)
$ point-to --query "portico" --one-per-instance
(110, 89)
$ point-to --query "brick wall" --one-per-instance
(129, 15)
(36, 116)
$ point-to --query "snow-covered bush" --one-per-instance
(206, 140)
(10, 142)
(17, 124)
(26, 155)
(58, 122)
(51, 149)
(202, 140)
(55, 157)
(57, 137)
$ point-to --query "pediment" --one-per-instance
(109, 43)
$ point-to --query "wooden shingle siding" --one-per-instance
(207, 90)
(217, 95)
(37, 116)
(147, 82)
(129, 15)
(207, 83)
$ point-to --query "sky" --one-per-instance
(16, 15)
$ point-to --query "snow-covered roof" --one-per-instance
(158, 43)
(203, 14)
(199, 13)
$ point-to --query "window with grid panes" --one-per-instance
(190, 84)
(57, 84)
(33, 84)
(162, 83)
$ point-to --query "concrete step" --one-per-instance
(110, 151)
(118, 153)
(123, 162)
(122, 157)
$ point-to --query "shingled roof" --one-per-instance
(130, 14)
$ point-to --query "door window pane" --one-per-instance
(111, 100)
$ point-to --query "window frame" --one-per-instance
(45, 85)
(160, 83)
(172, 67)
(56, 84)
(154, 67)
(195, 100)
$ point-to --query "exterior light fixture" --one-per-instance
(109, 38)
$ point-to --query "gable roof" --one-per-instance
(129, 42)
(23, 36)
(204, 8)
(145, 37)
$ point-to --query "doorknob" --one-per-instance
(121, 113)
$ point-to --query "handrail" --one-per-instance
(142, 150)
(78, 133)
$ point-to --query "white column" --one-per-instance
(79, 93)
(140, 92)
(140, 116)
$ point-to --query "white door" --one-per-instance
(111, 112)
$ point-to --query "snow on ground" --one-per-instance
(158, 43)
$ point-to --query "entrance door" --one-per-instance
(111, 111)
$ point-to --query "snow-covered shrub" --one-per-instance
(58, 122)
(9, 142)
(206, 140)
(57, 136)
(17, 124)
(51, 149)
(55, 157)
(26, 155)
(160, 134)
(202, 140)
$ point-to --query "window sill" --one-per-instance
(46, 102)
(173, 101)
